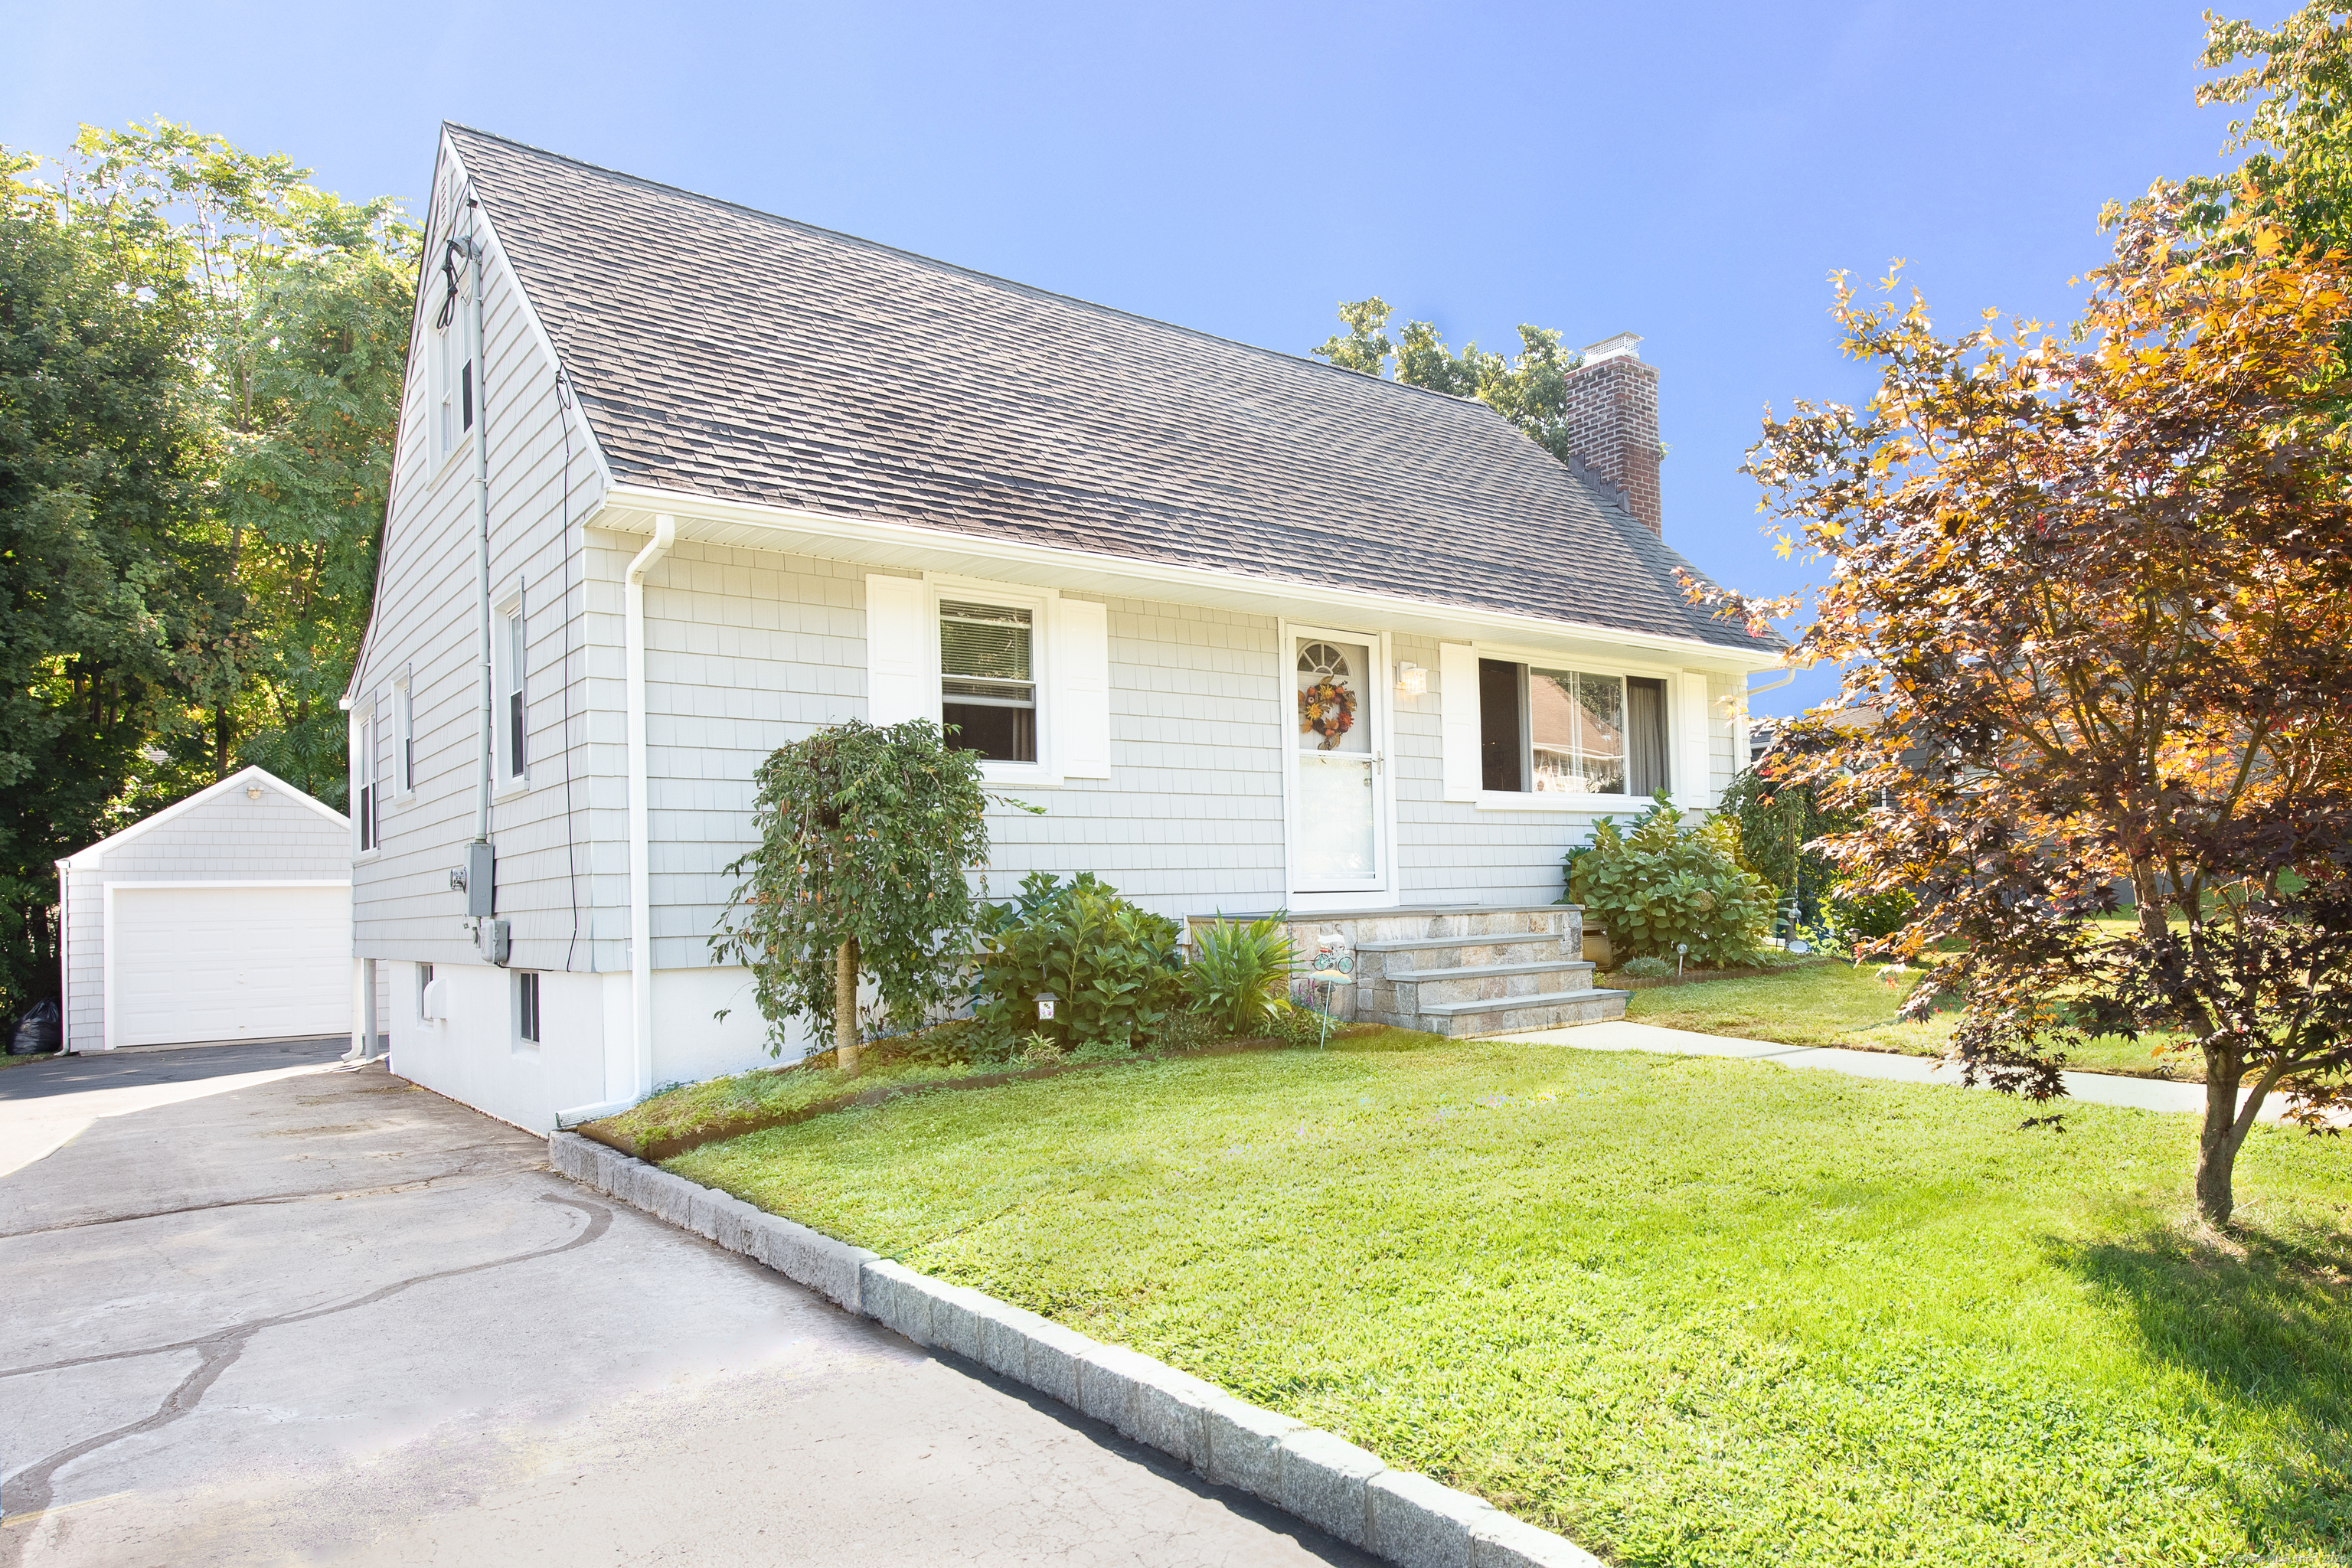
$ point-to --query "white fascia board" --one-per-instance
(631, 509)
(81, 858)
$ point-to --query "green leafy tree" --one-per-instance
(300, 303)
(1530, 391)
(866, 834)
(102, 453)
(2295, 79)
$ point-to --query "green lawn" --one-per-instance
(1841, 1003)
(1686, 1310)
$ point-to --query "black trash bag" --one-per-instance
(38, 1031)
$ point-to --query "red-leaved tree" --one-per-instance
(2096, 589)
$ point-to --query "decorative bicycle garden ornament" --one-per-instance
(1334, 966)
(1326, 708)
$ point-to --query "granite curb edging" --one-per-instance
(1343, 1490)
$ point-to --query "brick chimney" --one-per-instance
(1613, 411)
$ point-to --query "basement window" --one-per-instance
(527, 1007)
(987, 685)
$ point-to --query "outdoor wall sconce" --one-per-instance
(253, 792)
(1411, 680)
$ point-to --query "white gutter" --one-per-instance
(887, 541)
(641, 944)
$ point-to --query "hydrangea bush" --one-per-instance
(1657, 884)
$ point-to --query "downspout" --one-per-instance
(487, 718)
(622, 1093)
(641, 944)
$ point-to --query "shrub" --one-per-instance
(1111, 964)
(1239, 975)
(1868, 917)
(1646, 968)
(1659, 884)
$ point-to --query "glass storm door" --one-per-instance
(1338, 766)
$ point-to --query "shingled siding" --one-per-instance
(425, 620)
(746, 650)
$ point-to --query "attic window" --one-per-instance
(451, 364)
(987, 685)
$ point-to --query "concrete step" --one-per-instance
(1400, 960)
(1465, 970)
(1513, 1014)
(1422, 989)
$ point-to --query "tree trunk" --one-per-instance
(845, 1006)
(2218, 1139)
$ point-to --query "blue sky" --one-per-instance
(1690, 173)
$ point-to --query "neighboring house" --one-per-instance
(227, 916)
(728, 478)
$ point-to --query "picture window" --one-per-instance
(1567, 732)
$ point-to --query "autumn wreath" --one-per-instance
(1329, 709)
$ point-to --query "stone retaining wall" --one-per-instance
(1345, 1491)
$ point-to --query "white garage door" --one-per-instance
(230, 964)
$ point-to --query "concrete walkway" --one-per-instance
(315, 1314)
(2094, 1088)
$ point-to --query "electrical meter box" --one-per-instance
(481, 881)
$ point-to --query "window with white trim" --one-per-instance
(450, 369)
(988, 679)
(506, 659)
(364, 783)
(527, 1006)
(1023, 674)
(1543, 731)
(404, 735)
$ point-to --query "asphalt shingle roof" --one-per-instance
(734, 354)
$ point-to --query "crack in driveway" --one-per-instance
(29, 1490)
(418, 1185)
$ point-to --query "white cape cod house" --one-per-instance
(677, 482)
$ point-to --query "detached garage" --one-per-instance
(225, 917)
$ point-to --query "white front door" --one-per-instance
(1338, 786)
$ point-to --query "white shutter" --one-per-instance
(1457, 706)
(1078, 656)
(1694, 768)
(901, 680)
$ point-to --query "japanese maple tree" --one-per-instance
(2093, 587)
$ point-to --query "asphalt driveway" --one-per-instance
(279, 1310)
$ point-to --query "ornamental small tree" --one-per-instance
(2094, 593)
(866, 835)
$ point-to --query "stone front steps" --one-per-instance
(1459, 970)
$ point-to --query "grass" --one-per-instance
(765, 1093)
(1836, 1003)
(1687, 1311)
(11, 1060)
